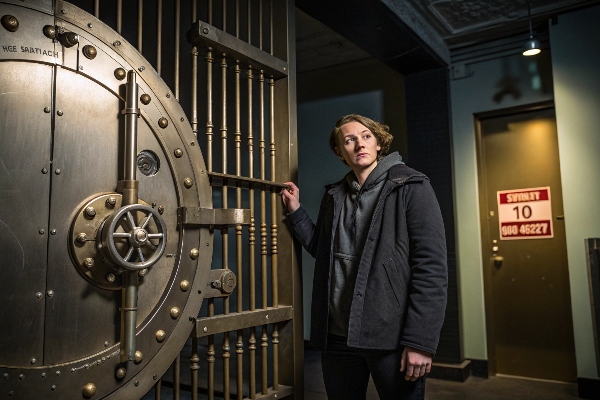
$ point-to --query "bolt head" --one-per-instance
(82, 238)
(90, 212)
(175, 312)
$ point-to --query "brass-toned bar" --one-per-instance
(97, 9)
(284, 391)
(159, 36)
(237, 19)
(246, 319)
(218, 179)
(224, 16)
(260, 24)
(264, 343)
(210, 12)
(211, 354)
(157, 388)
(271, 27)
(209, 124)
(274, 195)
(224, 232)
(238, 191)
(275, 357)
(263, 222)
(119, 16)
(226, 356)
(140, 25)
(252, 229)
(177, 39)
(176, 376)
(239, 350)
(194, 94)
(251, 232)
(252, 351)
(249, 22)
(239, 346)
(205, 35)
(274, 233)
(194, 366)
(263, 205)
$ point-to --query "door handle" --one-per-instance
(497, 261)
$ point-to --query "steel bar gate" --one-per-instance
(231, 66)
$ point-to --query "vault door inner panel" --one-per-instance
(25, 137)
(88, 148)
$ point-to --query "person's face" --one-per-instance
(358, 146)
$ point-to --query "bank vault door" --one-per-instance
(107, 220)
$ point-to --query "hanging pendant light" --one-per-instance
(532, 46)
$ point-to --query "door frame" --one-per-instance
(485, 251)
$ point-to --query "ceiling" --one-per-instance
(414, 35)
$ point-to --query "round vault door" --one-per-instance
(100, 276)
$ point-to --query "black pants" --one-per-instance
(346, 373)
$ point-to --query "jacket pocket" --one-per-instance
(394, 279)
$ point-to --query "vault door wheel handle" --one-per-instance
(135, 238)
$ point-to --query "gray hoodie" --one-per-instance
(355, 218)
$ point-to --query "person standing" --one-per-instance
(380, 282)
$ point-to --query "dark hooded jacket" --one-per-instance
(399, 294)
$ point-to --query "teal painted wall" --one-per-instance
(575, 41)
(570, 77)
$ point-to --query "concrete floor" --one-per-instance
(495, 388)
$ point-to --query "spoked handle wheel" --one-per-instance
(127, 237)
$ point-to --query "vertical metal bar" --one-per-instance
(252, 229)
(210, 12)
(97, 9)
(263, 226)
(274, 200)
(274, 249)
(211, 354)
(264, 343)
(130, 196)
(131, 112)
(209, 123)
(271, 26)
(251, 241)
(194, 367)
(194, 94)
(224, 232)
(252, 351)
(177, 39)
(119, 16)
(238, 230)
(140, 24)
(237, 19)
(159, 37)
(157, 388)
(224, 15)
(260, 24)
(250, 21)
(176, 376)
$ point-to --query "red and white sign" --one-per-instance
(525, 214)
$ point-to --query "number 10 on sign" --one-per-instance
(525, 214)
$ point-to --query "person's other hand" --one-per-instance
(290, 197)
(417, 363)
